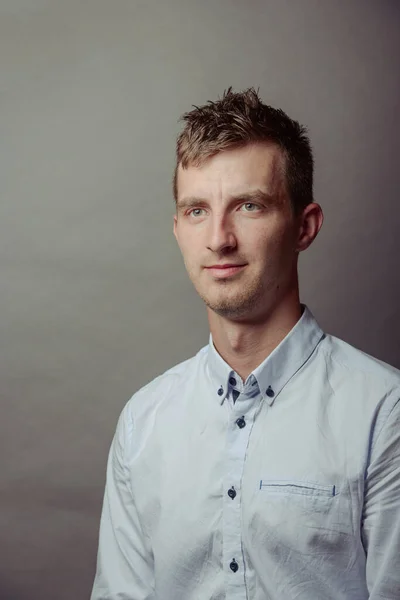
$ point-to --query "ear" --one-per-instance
(310, 222)
(175, 225)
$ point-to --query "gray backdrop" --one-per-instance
(94, 297)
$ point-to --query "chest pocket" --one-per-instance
(301, 516)
(301, 488)
(297, 502)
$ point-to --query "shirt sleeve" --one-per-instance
(381, 518)
(124, 558)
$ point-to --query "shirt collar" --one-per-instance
(276, 370)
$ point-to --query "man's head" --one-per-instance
(243, 193)
(239, 119)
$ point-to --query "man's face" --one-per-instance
(233, 210)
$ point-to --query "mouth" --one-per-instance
(223, 271)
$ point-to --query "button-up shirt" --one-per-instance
(282, 487)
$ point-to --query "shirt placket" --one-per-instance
(241, 418)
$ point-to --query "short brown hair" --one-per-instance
(241, 118)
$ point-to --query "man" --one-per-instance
(268, 465)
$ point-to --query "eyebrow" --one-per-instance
(254, 196)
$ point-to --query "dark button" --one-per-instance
(220, 391)
(270, 392)
(241, 422)
(232, 380)
(234, 566)
(232, 493)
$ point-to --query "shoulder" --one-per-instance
(362, 384)
(137, 418)
(351, 361)
(151, 396)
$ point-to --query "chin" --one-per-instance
(234, 313)
(228, 307)
(237, 305)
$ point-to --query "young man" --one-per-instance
(268, 465)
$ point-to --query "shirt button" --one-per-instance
(234, 566)
(270, 392)
(232, 493)
(220, 391)
(232, 380)
(241, 422)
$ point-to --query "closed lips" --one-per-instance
(223, 266)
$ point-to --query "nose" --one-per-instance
(221, 235)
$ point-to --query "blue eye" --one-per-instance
(250, 204)
(195, 212)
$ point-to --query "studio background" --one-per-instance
(94, 298)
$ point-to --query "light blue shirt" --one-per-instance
(285, 487)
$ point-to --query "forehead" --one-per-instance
(233, 172)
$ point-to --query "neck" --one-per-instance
(245, 345)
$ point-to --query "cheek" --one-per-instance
(272, 248)
(266, 242)
(185, 242)
(191, 251)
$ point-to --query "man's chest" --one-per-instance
(273, 478)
